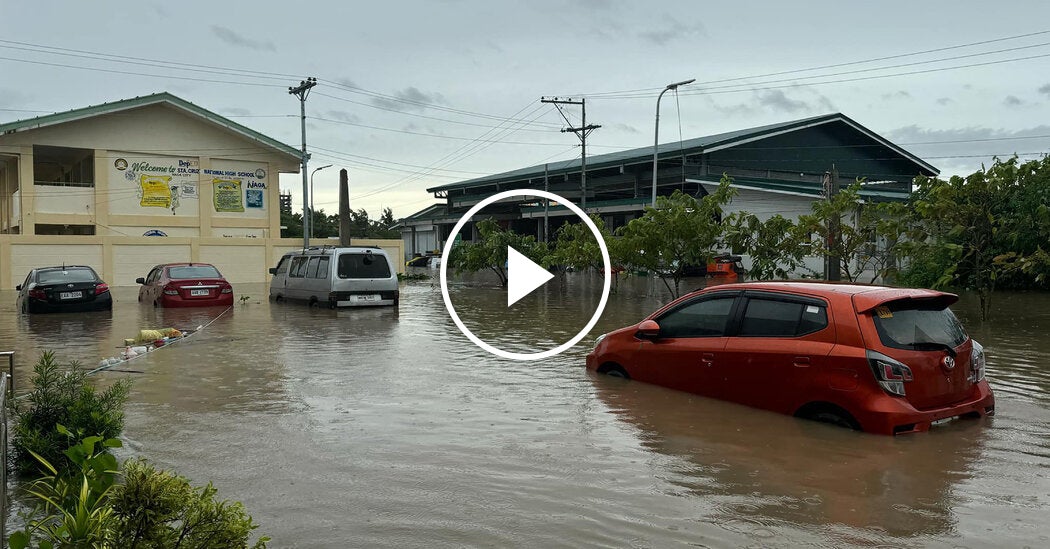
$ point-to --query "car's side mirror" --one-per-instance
(648, 329)
(140, 280)
(18, 288)
(273, 270)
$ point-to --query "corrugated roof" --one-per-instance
(689, 146)
(136, 102)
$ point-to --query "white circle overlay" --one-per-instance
(446, 251)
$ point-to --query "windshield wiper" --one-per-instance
(931, 345)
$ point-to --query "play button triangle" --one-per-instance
(523, 276)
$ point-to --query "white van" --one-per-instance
(330, 276)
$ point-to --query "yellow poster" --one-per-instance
(228, 195)
(156, 192)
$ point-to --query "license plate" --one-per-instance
(198, 292)
(942, 421)
(360, 298)
(70, 295)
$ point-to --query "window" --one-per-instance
(706, 318)
(776, 318)
(282, 266)
(322, 268)
(72, 274)
(192, 272)
(152, 276)
(298, 268)
(364, 265)
(906, 327)
(311, 269)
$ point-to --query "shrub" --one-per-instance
(62, 395)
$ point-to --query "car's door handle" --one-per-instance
(707, 359)
(801, 361)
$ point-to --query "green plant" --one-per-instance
(75, 503)
(62, 395)
(156, 508)
(489, 251)
(412, 276)
(244, 299)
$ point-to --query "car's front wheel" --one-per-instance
(614, 370)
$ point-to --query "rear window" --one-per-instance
(59, 276)
(193, 271)
(904, 327)
(363, 266)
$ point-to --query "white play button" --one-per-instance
(523, 276)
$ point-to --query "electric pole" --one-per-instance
(582, 132)
(832, 261)
(301, 91)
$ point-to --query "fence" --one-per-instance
(6, 386)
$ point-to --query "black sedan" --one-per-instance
(69, 288)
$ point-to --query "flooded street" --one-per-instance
(388, 428)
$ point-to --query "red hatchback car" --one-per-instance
(185, 285)
(872, 358)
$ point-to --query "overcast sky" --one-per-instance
(421, 93)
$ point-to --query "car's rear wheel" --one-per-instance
(830, 414)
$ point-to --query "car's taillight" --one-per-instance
(891, 374)
(977, 363)
(37, 294)
(101, 288)
(227, 290)
(170, 290)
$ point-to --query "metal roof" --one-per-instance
(709, 143)
(146, 100)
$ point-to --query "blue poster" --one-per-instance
(253, 198)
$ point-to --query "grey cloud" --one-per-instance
(343, 116)
(944, 101)
(12, 98)
(778, 101)
(672, 29)
(409, 99)
(1012, 101)
(1045, 88)
(345, 82)
(900, 94)
(596, 4)
(961, 151)
(235, 111)
(626, 128)
(234, 39)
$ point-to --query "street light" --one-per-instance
(656, 138)
(311, 201)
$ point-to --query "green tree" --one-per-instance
(680, 231)
(776, 246)
(577, 248)
(490, 250)
(844, 228)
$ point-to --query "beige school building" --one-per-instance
(126, 185)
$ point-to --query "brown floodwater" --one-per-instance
(388, 428)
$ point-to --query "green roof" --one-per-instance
(146, 100)
(709, 143)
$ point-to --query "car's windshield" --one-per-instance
(193, 271)
(59, 276)
(918, 327)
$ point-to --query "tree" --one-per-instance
(577, 248)
(490, 250)
(844, 228)
(680, 231)
(775, 246)
(387, 219)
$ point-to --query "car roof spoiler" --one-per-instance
(867, 301)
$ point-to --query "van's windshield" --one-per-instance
(363, 266)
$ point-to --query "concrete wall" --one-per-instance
(122, 259)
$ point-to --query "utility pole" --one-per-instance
(832, 267)
(301, 91)
(582, 132)
(546, 207)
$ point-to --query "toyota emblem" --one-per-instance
(948, 363)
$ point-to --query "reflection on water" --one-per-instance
(386, 427)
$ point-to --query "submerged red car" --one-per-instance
(185, 285)
(872, 358)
